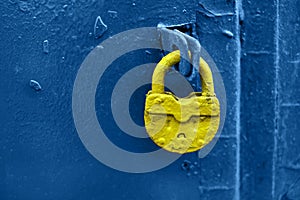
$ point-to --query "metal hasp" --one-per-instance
(172, 40)
(181, 125)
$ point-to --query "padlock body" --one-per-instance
(181, 125)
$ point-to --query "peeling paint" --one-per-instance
(228, 33)
(35, 85)
(210, 13)
(99, 28)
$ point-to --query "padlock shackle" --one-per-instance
(173, 58)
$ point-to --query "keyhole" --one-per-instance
(181, 135)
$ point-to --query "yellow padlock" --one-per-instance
(181, 125)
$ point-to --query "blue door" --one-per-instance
(256, 47)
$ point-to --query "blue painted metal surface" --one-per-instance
(255, 45)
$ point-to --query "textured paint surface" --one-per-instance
(256, 46)
(258, 80)
(186, 124)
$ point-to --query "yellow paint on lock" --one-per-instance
(181, 125)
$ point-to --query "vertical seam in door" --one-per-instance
(277, 100)
(238, 8)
